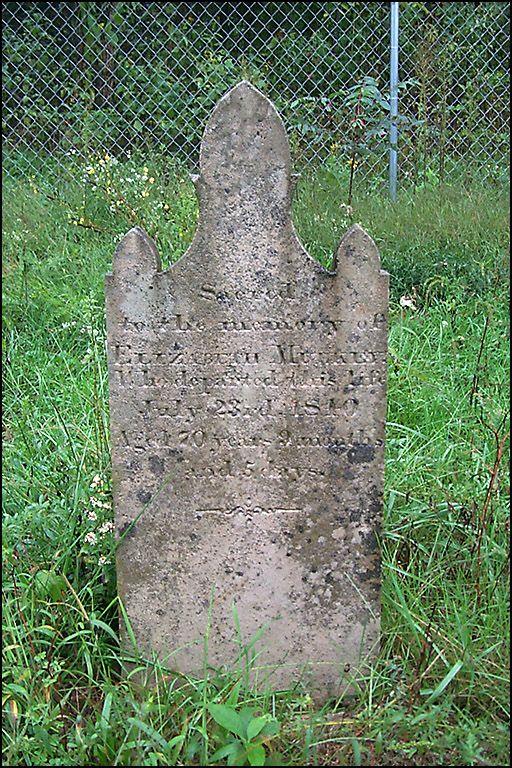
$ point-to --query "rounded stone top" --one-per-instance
(245, 148)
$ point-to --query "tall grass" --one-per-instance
(438, 694)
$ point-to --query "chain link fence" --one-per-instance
(118, 77)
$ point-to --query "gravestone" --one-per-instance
(248, 399)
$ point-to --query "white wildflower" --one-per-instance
(406, 301)
(107, 527)
(90, 538)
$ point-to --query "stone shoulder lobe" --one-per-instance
(136, 255)
(356, 249)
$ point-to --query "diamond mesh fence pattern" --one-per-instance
(119, 76)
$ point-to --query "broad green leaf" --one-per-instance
(227, 718)
(255, 726)
(246, 715)
(237, 757)
(233, 748)
(271, 728)
(48, 583)
(256, 754)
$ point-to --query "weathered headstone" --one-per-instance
(247, 396)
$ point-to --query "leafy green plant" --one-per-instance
(369, 122)
(246, 735)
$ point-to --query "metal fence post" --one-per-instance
(393, 112)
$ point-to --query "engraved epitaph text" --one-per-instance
(248, 396)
